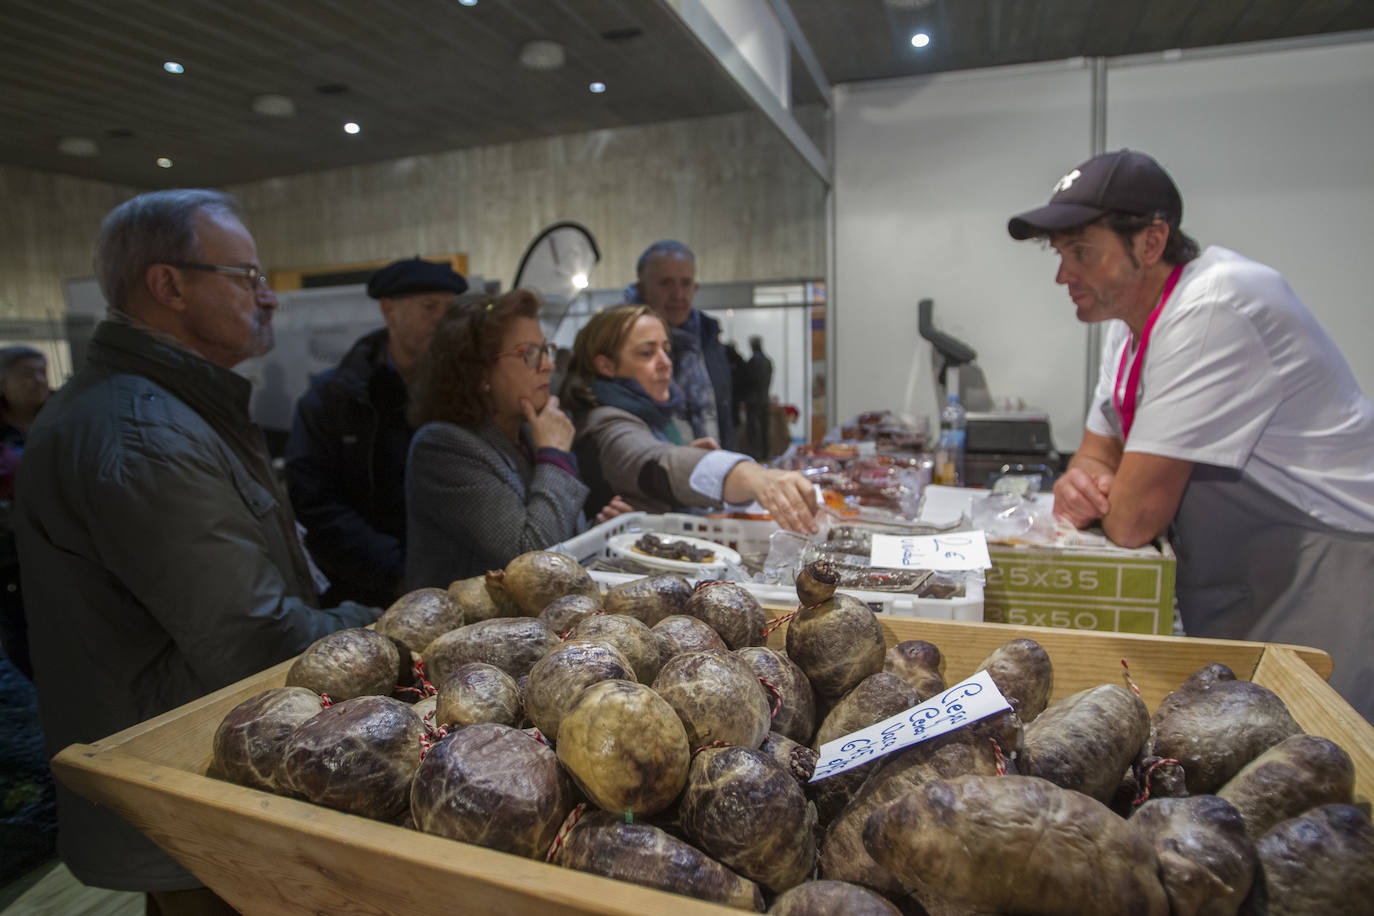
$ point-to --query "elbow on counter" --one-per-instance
(1132, 532)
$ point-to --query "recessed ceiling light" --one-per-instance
(597, 87)
(172, 66)
(467, 2)
(164, 163)
(77, 146)
(274, 106)
(352, 127)
(542, 55)
(920, 40)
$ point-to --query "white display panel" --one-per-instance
(1274, 155)
(928, 170)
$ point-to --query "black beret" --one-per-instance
(413, 275)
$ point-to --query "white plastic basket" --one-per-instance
(748, 536)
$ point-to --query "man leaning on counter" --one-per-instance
(1223, 414)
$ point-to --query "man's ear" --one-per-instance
(1151, 241)
(166, 285)
(604, 365)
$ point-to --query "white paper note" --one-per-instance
(960, 550)
(965, 702)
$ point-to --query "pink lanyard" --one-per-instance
(1125, 406)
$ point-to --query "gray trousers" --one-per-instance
(1251, 566)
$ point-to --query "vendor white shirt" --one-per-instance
(1239, 374)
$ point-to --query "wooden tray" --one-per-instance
(268, 854)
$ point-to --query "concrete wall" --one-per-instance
(728, 186)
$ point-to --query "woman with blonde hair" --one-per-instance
(620, 387)
(490, 474)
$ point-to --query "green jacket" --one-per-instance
(160, 563)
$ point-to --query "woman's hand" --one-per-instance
(616, 506)
(550, 427)
(787, 495)
(707, 443)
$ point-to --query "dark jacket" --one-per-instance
(718, 367)
(345, 471)
(159, 564)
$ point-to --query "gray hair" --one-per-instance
(154, 228)
(664, 249)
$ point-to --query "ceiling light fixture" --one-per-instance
(467, 2)
(172, 66)
(78, 146)
(597, 87)
(164, 163)
(920, 40)
(352, 128)
(274, 106)
(542, 55)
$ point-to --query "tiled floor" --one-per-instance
(50, 890)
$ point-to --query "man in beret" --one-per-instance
(346, 457)
(1223, 413)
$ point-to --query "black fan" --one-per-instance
(558, 265)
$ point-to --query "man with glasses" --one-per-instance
(160, 561)
(1224, 413)
(346, 458)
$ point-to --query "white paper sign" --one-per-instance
(959, 550)
(965, 702)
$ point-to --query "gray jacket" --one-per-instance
(475, 501)
(618, 448)
(160, 563)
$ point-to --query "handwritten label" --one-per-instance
(960, 550)
(965, 702)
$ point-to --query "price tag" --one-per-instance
(965, 702)
(961, 550)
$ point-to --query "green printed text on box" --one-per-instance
(1081, 590)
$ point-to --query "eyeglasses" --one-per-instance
(532, 354)
(252, 273)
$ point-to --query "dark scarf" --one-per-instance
(630, 396)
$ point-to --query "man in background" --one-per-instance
(159, 561)
(23, 390)
(667, 283)
(346, 456)
(759, 371)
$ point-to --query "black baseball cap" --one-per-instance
(1123, 181)
(414, 275)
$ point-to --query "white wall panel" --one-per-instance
(928, 170)
(1274, 154)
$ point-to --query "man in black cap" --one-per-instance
(346, 457)
(1223, 410)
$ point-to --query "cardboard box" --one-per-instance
(1089, 585)
(1123, 591)
(268, 854)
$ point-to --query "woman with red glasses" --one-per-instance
(490, 473)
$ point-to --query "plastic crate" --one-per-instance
(744, 535)
(748, 536)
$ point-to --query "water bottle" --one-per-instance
(949, 454)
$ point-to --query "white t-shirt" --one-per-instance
(1239, 374)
